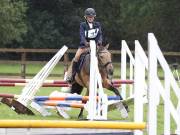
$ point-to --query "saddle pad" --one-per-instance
(81, 61)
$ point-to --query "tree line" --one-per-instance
(53, 23)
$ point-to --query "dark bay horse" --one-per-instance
(105, 68)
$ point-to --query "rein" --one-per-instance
(100, 64)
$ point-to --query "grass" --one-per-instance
(7, 113)
(30, 69)
(35, 68)
(10, 114)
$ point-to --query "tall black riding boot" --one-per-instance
(71, 78)
(74, 70)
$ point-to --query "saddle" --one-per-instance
(81, 61)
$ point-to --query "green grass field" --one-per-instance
(7, 113)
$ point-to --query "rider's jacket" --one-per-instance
(88, 32)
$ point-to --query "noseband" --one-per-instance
(105, 65)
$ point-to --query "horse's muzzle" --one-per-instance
(110, 74)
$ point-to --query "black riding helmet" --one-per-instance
(90, 12)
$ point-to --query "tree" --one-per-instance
(51, 24)
(140, 17)
(12, 21)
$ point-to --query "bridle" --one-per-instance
(101, 65)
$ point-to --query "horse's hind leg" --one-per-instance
(84, 102)
(80, 116)
(76, 88)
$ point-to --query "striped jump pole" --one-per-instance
(70, 98)
(60, 104)
(43, 85)
(123, 81)
(60, 98)
(5, 95)
(7, 80)
(57, 103)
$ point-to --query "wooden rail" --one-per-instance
(24, 52)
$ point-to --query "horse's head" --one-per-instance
(105, 62)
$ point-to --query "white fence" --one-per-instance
(125, 52)
(156, 89)
(140, 67)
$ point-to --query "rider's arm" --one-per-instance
(83, 40)
(99, 36)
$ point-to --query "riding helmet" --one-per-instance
(90, 12)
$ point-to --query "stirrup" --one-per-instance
(71, 78)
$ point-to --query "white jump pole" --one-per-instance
(92, 83)
(31, 88)
(138, 87)
(97, 109)
(123, 68)
(125, 52)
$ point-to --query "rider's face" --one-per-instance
(90, 19)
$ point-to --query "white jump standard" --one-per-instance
(30, 89)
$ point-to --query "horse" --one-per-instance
(106, 70)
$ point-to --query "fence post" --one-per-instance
(123, 68)
(139, 73)
(93, 83)
(152, 93)
(23, 65)
(66, 60)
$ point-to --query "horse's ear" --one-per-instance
(107, 46)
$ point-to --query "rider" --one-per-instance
(89, 30)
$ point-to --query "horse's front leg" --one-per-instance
(80, 116)
(108, 85)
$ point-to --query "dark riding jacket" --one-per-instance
(87, 33)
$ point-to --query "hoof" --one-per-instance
(20, 108)
(7, 101)
(126, 107)
(80, 117)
